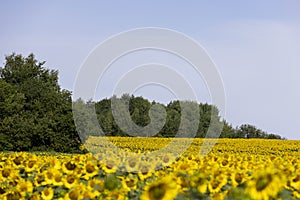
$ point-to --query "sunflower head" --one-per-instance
(163, 189)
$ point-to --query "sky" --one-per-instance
(255, 46)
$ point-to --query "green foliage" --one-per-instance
(176, 122)
(35, 113)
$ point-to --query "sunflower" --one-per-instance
(264, 185)
(72, 195)
(164, 189)
(131, 164)
(57, 178)
(295, 182)
(90, 170)
(49, 175)
(31, 165)
(237, 178)
(39, 180)
(110, 166)
(216, 183)
(55, 163)
(129, 183)
(9, 173)
(69, 167)
(70, 181)
(145, 170)
(35, 196)
(24, 187)
(47, 193)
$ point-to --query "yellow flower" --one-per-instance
(237, 178)
(164, 189)
(39, 180)
(47, 193)
(57, 178)
(216, 183)
(8, 173)
(129, 183)
(110, 166)
(145, 170)
(70, 181)
(35, 196)
(90, 170)
(49, 175)
(132, 164)
(24, 186)
(69, 167)
(295, 182)
(264, 185)
(72, 195)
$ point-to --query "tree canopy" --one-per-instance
(36, 114)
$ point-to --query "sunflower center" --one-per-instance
(130, 183)
(46, 192)
(6, 173)
(70, 179)
(132, 163)
(49, 175)
(215, 184)
(73, 195)
(109, 164)
(70, 166)
(224, 162)
(238, 178)
(31, 164)
(90, 168)
(144, 170)
(57, 178)
(263, 182)
(18, 160)
(157, 192)
(166, 159)
(296, 179)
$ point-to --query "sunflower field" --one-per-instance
(156, 169)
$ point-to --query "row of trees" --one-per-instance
(173, 123)
(36, 114)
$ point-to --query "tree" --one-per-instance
(42, 118)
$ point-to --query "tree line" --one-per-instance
(139, 108)
(37, 115)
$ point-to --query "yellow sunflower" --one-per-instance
(132, 164)
(69, 167)
(35, 196)
(57, 178)
(295, 182)
(237, 178)
(145, 170)
(24, 187)
(70, 181)
(129, 183)
(164, 189)
(216, 183)
(47, 193)
(265, 184)
(110, 166)
(72, 195)
(90, 170)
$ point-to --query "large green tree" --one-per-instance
(37, 113)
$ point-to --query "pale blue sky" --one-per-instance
(255, 45)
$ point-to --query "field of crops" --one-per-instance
(152, 168)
